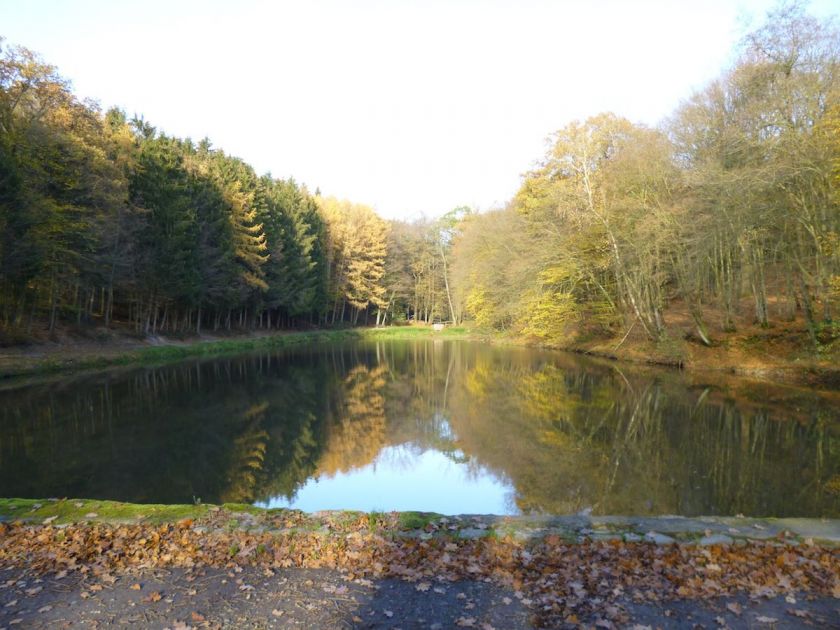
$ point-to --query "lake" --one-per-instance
(437, 425)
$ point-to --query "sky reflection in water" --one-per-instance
(402, 479)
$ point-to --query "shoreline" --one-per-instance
(20, 363)
(413, 525)
(810, 375)
(49, 359)
(722, 360)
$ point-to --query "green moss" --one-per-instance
(80, 510)
(75, 510)
(416, 520)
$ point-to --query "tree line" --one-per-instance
(729, 207)
(103, 218)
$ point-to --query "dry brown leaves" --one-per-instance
(560, 581)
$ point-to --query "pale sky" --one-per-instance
(411, 107)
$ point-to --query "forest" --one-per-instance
(728, 211)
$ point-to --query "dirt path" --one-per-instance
(318, 598)
(250, 598)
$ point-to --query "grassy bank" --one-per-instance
(42, 360)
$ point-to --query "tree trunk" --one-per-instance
(808, 310)
(446, 283)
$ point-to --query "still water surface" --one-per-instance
(445, 426)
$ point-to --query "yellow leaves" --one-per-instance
(358, 245)
(556, 275)
(479, 306)
(829, 244)
(829, 129)
(834, 287)
(547, 315)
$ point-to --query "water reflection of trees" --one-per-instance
(357, 429)
(598, 438)
(231, 429)
(568, 434)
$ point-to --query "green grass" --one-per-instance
(173, 353)
(374, 519)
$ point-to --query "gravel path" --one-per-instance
(777, 613)
(314, 598)
(305, 598)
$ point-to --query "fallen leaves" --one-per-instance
(559, 581)
(152, 598)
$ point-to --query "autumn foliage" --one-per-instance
(560, 581)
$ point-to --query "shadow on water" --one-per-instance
(560, 432)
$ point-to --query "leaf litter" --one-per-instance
(561, 582)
